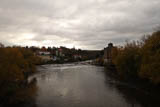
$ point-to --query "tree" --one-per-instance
(150, 67)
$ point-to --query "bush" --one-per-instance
(140, 59)
(150, 67)
(16, 64)
(128, 60)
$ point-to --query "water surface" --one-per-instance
(79, 85)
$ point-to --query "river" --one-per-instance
(83, 85)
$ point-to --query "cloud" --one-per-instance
(85, 24)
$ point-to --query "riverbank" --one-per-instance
(135, 82)
(136, 63)
(142, 85)
(16, 65)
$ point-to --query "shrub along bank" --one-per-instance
(140, 59)
(16, 64)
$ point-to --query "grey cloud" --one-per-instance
(87, 24)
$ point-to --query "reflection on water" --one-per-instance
(76, 85)
(23, 96)
(132, 94)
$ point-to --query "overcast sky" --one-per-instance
(86, 24)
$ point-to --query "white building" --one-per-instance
(45, 56)
(44, 53)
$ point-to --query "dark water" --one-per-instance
(78, 85)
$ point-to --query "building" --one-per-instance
(76, 56)
(45, 55)
(59, 52)
(108, 53)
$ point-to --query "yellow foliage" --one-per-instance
(150, 67)
(140, 59)
(15, 66)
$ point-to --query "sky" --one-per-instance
(85, 24)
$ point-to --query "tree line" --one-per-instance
(16, 64)
(139, 59)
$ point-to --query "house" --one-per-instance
(59, 52)
(45, 55)
(76, 56)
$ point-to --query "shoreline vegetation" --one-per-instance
(140, 59)
(16, 65)
(137, 63)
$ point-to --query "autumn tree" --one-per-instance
(16, 64)
(150, 67)
(128, 60)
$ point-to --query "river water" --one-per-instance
(82, 85)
